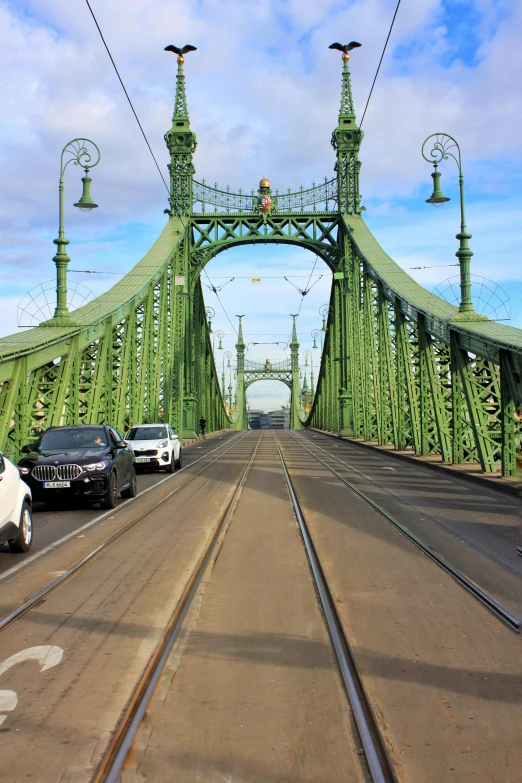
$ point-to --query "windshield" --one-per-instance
(70, 439)
(146, 433)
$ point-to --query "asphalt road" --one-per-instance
(252, 692)
(474, 527)
(52, 525)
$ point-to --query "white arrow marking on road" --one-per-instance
(48, 655)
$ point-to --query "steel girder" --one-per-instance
(128, 365)
(417, 381)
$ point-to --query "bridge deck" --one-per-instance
(251, 690)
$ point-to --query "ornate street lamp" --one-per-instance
(443, 147)
(315, 334)
(77, 152)
(226, 355)
(324, 312)
(210, 313)
(219, 334)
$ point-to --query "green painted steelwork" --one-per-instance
(397, 367)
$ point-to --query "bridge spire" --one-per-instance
(240, 406)
(346, 140)
(181, 142)
(295, 421)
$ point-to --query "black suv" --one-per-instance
(90, 462)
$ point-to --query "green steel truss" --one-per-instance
(396, 369)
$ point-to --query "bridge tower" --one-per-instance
(295, 419)
(181, 143)
(241, 417)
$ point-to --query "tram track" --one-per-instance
(41, 594)
(112, 765)
(502, 614)
(379, 763)
(375, 750)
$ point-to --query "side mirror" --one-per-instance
(122, 444)
(26, 449)
(174, 437)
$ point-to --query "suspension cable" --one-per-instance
(127, 96)
(380, 62)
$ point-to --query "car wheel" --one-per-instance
(171, 467)
(110, 499)
(178, 461)
(132, 489)
(24, 539)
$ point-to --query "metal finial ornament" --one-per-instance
(345, 48)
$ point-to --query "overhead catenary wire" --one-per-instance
(215, 290)
(380, 62)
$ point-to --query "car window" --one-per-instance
(114, 437)
(68, 439)
(147, 433)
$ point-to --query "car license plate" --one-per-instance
(56, 484)
(142, 459)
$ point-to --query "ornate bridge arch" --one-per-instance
(315, 231)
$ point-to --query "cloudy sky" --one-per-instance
(263, 92)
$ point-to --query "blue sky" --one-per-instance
(263, 92)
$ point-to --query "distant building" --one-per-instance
(261, 420)
(279, 419)
(254, 419)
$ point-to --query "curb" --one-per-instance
(512, 489)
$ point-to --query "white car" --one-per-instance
(16, 521)
(155, 446)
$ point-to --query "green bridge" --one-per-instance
(400, 366)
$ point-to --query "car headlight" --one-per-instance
(95, 466)
(24, 471)
(162, 444)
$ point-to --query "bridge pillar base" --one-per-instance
(346, 417)
(188, 429)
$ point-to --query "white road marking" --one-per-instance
(8, 701)
(48, 655)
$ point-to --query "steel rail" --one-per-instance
(39, 595)
(491, 604)
(376, 752)
(111, 767)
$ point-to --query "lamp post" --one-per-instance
(315, 334)
(77, 152)
(227, 355)
(443, 147)
(219, 334)
(308, 356)
(324, 312)
(210, 313)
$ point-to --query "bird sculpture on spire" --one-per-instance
(345, 48)
(180, 51)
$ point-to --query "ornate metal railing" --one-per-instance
(321, 198)
(284, 366)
